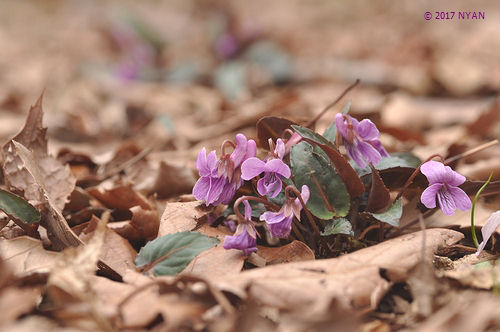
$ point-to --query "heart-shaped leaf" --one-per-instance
(170, 254)
(351, 179)
(338, 226)
(392, 215)
(17, 208)
(311, 135)
(329, 197)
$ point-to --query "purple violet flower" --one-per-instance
(245, 237)
(487, 230)
(361, 140)
(280, 223)
(443, 183)
(219, 179)
(270, 184)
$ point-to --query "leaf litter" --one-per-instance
(112, 174)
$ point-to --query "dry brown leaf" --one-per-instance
(25, 255)
(143, 225)
(180, 216)
(464, 312)
(69, 285)
(216, 262)
(116, 251)
(122, 197)
(58, 182)
(15, 302)
(353, 279)
(293, 252)
(172, 180)
(60, 234)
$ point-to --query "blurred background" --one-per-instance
(178, 75)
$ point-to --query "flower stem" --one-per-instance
(306, 210)
(251, 198)
(472, 229)
(413, 175)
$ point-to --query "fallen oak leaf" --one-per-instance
(25, 255)
(122, 197)
(58, 180)
(352, 279)
(181, 216)
(144, 224)
(294, 251)
(116, 251)
(60, 233)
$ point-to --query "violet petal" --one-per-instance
(367, 130)
(446, 201)
(251, 168)
(434, 171)
(279, 167)
(280, 148)
(488, 229)
(355, 155)
(462, 201)
(341, 124)
(248, 210)
(369, 153)
(428, 197)
(240, 150)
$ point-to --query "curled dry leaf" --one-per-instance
(353, 279)
(145, 221)
(293, 252)
(60, 234)
(121, 197)
(58, 182)
(116, 251)
(69, 284)
(143, 225)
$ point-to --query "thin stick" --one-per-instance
(317, 117)
(471, 151)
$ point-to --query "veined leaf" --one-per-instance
(329, 197)
(338, 226)
(392, 215)
(170, 254)
(17, 208)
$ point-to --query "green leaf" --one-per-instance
(17, 208)
(311, 135)
(401, 159)
(338, 226)
(170, 254)
(392, 215)
(331, 132)
(329, 197)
